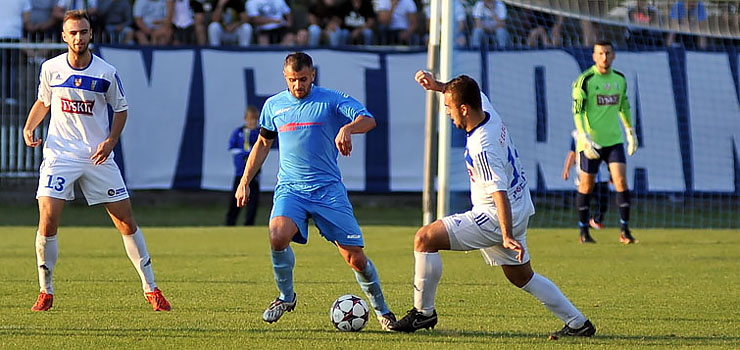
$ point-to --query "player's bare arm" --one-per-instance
(106, 147)
(570, 160)
(360, 125)
(256, 158)
(427, 81)
(37, 114)
(503, 209)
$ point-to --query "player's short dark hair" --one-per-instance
(298, 60)
(464, 91)
(76, 15)
(603, 43)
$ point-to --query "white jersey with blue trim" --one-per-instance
(78, 99)
(493, 165)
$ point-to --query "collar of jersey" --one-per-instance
(596, 71)
(66, 59)
(485, 120)
(296, 99)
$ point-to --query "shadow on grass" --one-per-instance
(328, 334)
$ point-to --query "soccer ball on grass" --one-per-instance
(349, 313)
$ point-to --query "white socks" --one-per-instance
(427, 273)
(47, 252)
(136, 251)
(553, 299)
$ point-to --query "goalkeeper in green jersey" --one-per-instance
(599, 103)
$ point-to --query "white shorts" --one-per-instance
(99, 183)
(475, 229)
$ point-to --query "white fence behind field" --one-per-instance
(19, 74)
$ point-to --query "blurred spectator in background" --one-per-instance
(91, 6)
(272, 21)
(42, 24)
(229, 23)
(730, 17)
(643, 15)
(358, 22)
(690, 15)
(116, 17)
(542, 29)
(325, 18)
(14, 16)
(240, 144)
(397, 22)
(188, 22)
(461, 19)
(490, 23)
(153, 22)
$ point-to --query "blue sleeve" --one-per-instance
(266, 116)
(677, 11)
(572, 144)
(253, 136)
(349, 107)
(701, 12)
(234, 139)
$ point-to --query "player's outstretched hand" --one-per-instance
(510, 243)
(104, 150)
(242, 193)
(344, 141)
(30, 139)
(427, 81)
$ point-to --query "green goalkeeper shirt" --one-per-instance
(597, 101)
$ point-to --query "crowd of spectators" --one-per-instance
(492, 23)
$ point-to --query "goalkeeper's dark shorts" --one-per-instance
(609, 154)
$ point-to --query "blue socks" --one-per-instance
(370, 284)
(283, 262)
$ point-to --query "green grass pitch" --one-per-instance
(676, 289)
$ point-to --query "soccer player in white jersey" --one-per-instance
(497, 223)
(77, 87)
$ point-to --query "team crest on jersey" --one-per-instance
(607, 86)
(78, 82)
(77, 107)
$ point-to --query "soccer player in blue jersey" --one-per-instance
(313, 124)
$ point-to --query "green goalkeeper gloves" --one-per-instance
(592, 148)
(631, 141)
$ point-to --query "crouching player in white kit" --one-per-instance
(497, 223)
(77, 87)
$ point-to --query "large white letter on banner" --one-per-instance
(715, 121)
(156, 116)
(660, 151)
(513, 94)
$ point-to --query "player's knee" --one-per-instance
(279, 237)
(423, 239)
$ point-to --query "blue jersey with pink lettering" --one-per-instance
(306, 130)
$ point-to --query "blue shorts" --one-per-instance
(609, 154)
(329, 207)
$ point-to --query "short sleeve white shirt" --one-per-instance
(488, 15)
(78, 99)
(493, 165)
(399, 18)
(11, 18)
(273, 9)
